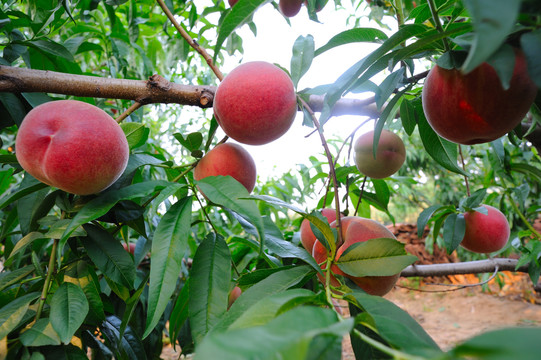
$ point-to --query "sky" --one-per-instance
(274, 43)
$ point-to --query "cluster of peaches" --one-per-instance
(79, 148)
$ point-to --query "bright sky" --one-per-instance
(274, 43)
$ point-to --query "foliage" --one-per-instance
(68, 287)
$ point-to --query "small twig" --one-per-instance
(190, 41)
(466, 182)
(331, 168)
(128, 112)
(437, 22)
(522, 217)
(360, 196)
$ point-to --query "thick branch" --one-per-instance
(154, 90)
(470, 267)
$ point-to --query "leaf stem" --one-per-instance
(190, 41)
(437, 22)
(466, 182)
(47, 284)
(331, 170)
(384, 348)
(522, 217)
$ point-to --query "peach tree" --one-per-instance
(175, 244)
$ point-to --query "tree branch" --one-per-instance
(154, 90)
(470, 267)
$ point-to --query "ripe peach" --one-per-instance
(255, 103)
(474, 108)
(72, 145)
(233, 296)
(356, 229)
(485, 233)
(390, 154)
(290, 8)
(228, 159)
(232, 2)
(307, 235)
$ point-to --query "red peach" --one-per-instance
(290, 8)
(228, 159)
(255, 103)
(356, 229)
(485, 233)
(72, 145)
(233, 296)
(474, 108)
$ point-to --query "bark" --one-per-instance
(154, 90)
(470, 267)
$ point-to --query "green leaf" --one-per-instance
(23, 191)
(395, 326)
(83, 276)
(104, 202)
(109, 256)
(241, 13)
(168, 247)
(12, 313)
(474, 200)
(526, 169)
(388, 86)
(129, 346)
(40, 334)
(443, 151)
(180, 312)
(68, 310)
(408, 116)
(303, 54)
(285, 337)
(8, 278)
(50, 47)
(136, 134)
(375, 257)
(14, 107)
(24, 242)
(352, 36)
(503, 344)
(192, 142)
(277, 282)
(531, 45)
(493, 20)
(267, 308)
(228, 192)
(424, 217)
(210, 279)
(454, 229)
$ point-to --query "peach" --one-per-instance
(390, 154)
(232, 2)
(307, 235)
(255, 103)
(474, 108)
(356, 229)
(73, 146)
(485, 233)
(228, 159)
(233, 296)
(290, 8)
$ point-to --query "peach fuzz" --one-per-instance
(307, 235)
(228, 159)
(390, 154)
(356, 229)
(485, 233)
(255, 103)
(73, 146)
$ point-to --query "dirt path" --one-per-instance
(452, 317)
